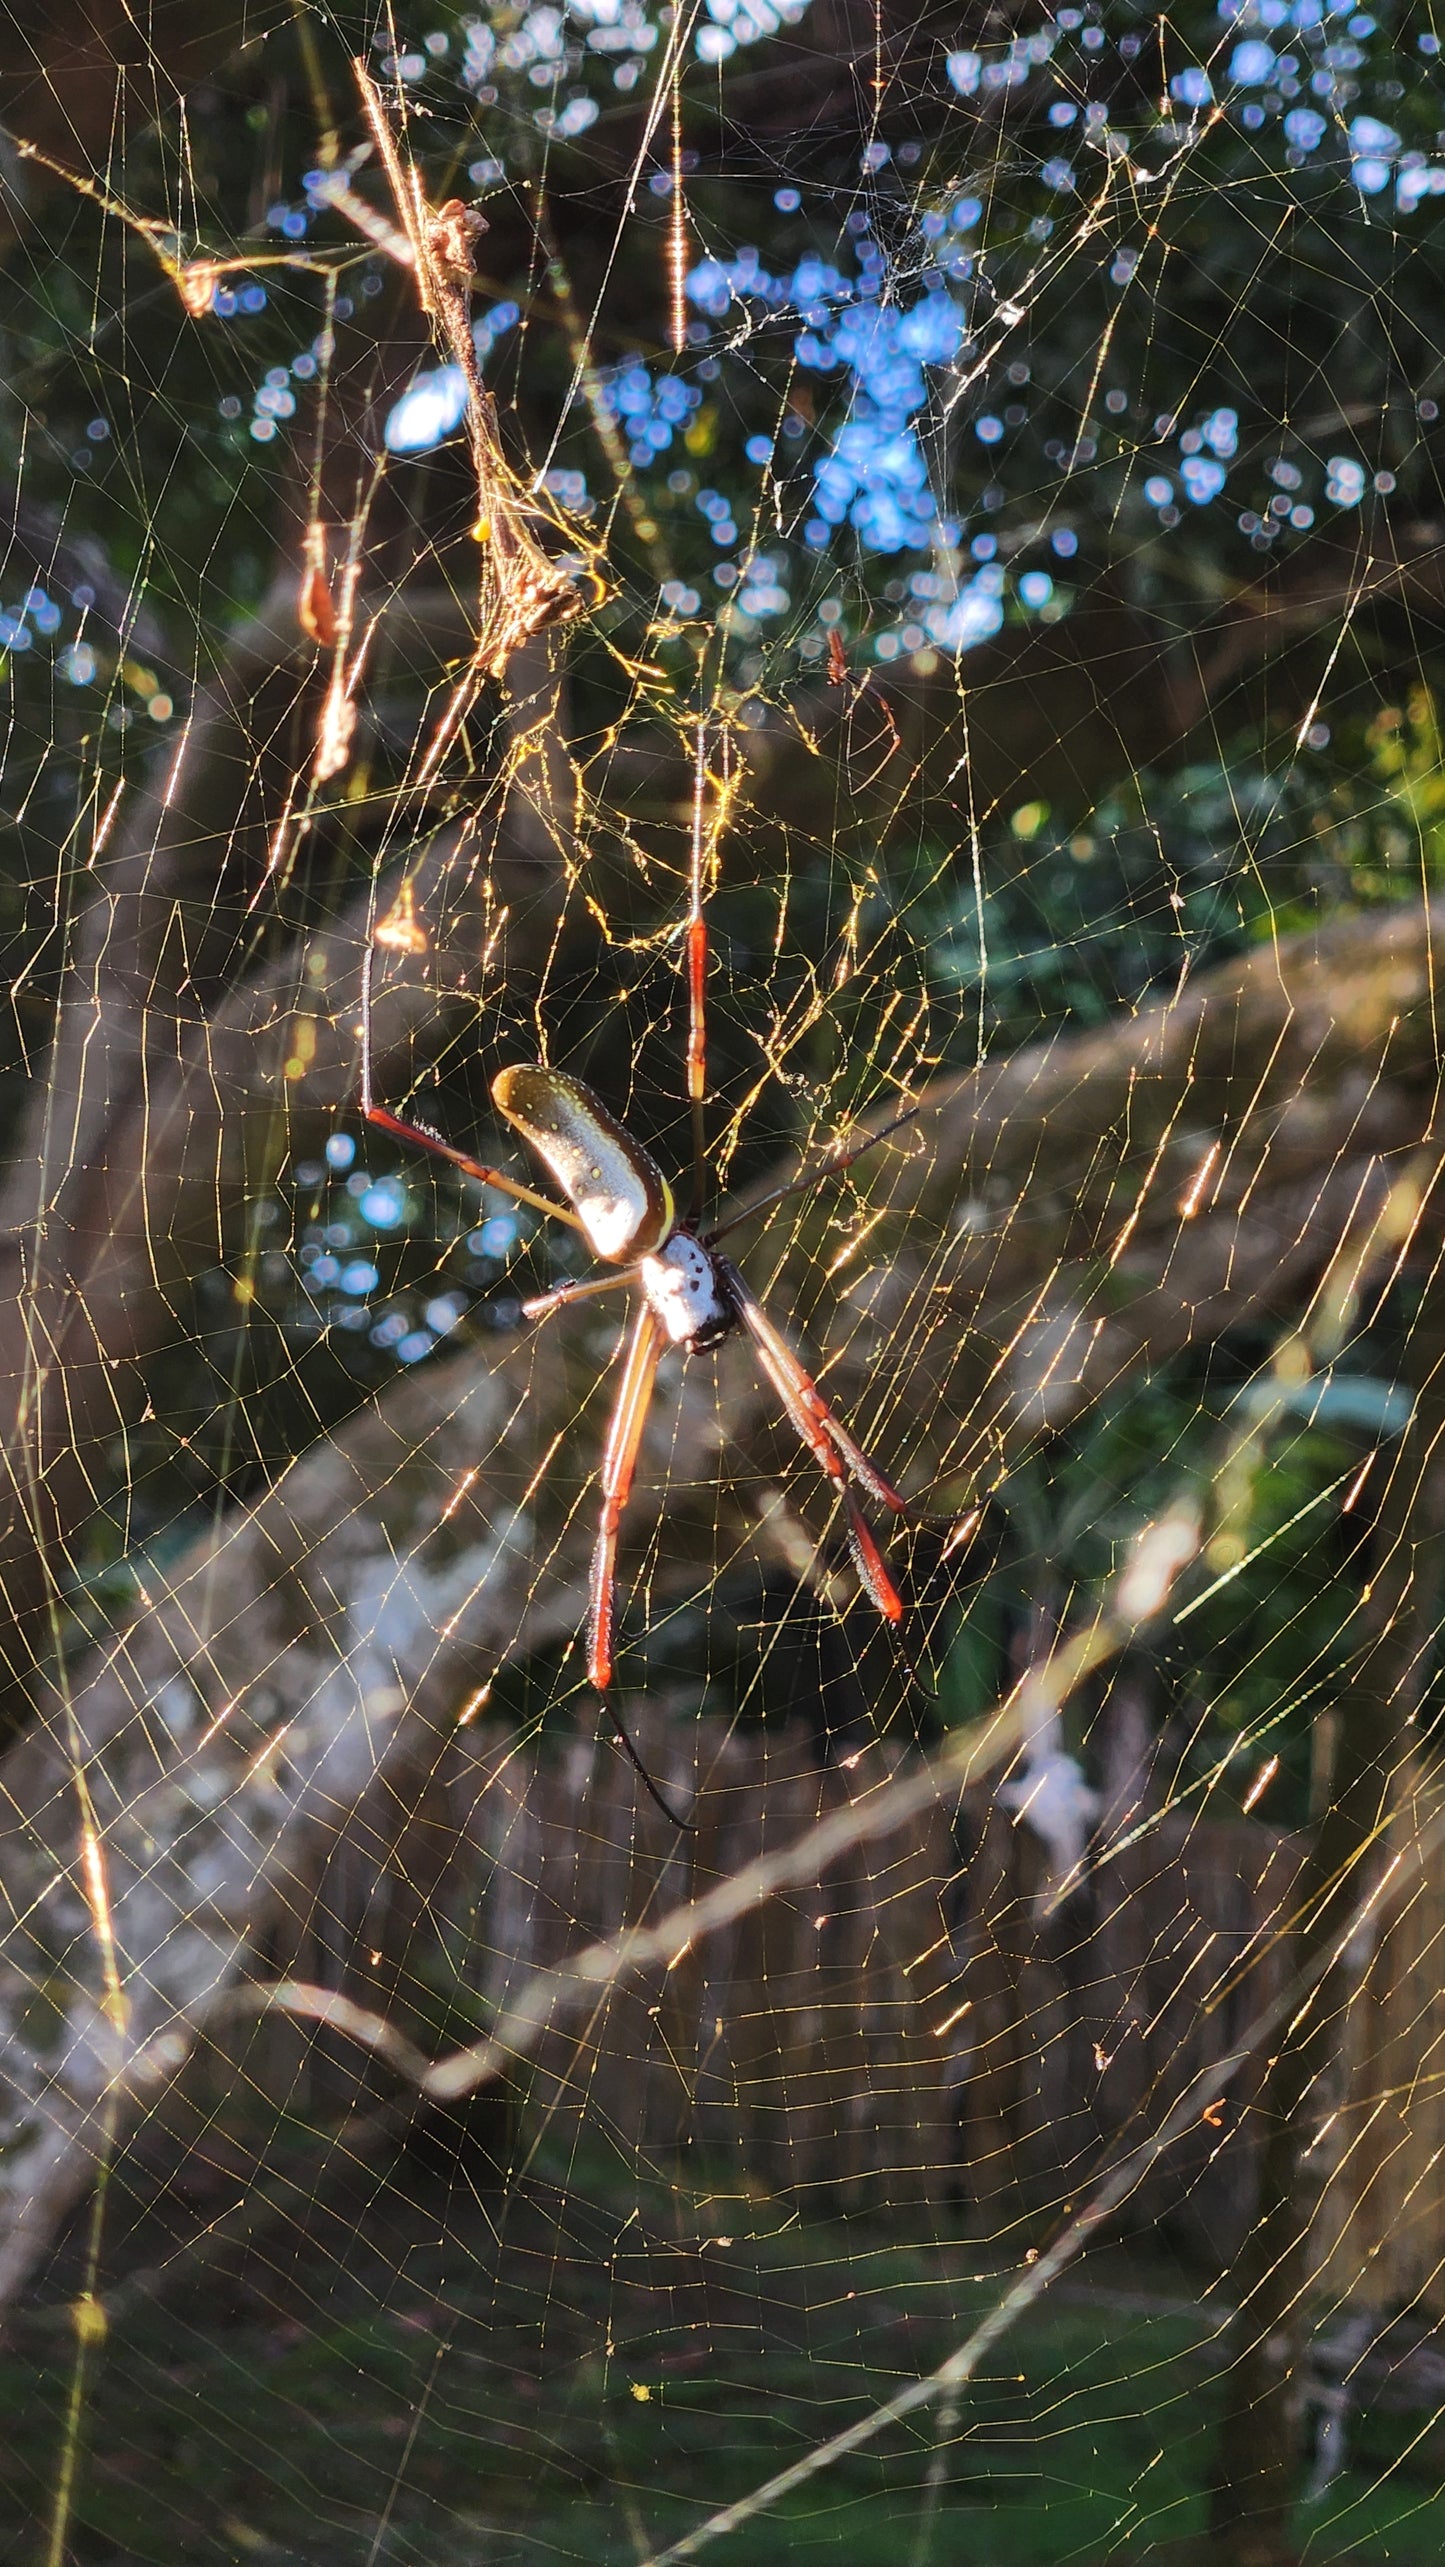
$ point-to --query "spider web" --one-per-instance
(964, 494)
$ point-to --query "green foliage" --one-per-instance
(1265, 1638)
(229, 2438)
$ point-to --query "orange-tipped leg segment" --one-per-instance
(697, 1006)
(831, 1446)
(866, 1473)
(417, 1137)
(869, 1562)
(619, 1465)
(806, 1406)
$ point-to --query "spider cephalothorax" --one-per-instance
(685, 1284)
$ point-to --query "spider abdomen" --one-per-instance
(687, 1294)
(623, 1200)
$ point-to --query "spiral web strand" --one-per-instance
(866, 585)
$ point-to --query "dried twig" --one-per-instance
(523, 592)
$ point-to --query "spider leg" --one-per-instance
(869, 1562)
(894, 741)
(684, 1826)
(697, 960)
(619, 1462)
(420, 1138)
(562, 1295)
(801, 1395)
(832, 1166)
(832, 1448)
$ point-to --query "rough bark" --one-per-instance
(167, 1102)
(1094, 1203)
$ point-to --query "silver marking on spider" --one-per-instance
(687, 1294)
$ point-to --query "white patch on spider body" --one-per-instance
(609, 1223)
(682, 1286)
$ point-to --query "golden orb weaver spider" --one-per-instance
(692, 1295)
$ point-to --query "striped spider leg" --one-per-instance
(692, 1296)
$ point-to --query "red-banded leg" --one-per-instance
(830, 1444)
(619, 1466)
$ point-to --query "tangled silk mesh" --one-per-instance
(950, 502)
